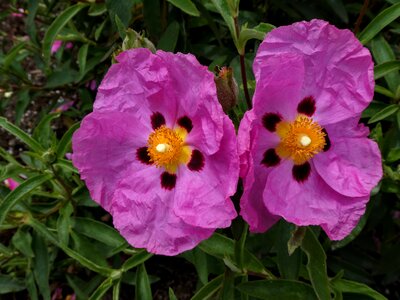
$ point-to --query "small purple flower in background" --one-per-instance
(11, 183)
(57, 45)
(92, 85)
(19, 14)
(63, 107)
(158, 152)
(303, 155)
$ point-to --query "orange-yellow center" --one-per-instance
(167, 148)
(300, 139)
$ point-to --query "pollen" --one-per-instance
(300, 140)
(167, 148)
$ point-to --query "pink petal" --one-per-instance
(312, 202)
(11, 183)
(56, 46)
(253, 140)
(103, 147)
(202, 197)
(352, 166)
(143, 213)
(328, 54)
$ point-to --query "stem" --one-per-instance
(360, 16)
(243, 68)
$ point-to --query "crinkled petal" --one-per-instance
(338, 69)
(312, 202)
(103, 147)
(253, 140)
(352, 166)
(143, 213)
(202, 197)
(279, 84)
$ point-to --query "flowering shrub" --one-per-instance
(125, 126)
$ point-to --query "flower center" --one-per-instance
(300, 140)
(166, 148)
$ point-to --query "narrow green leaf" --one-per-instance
(21, 191)
(347, 286)
(102, 289)
(23, 100)
(220, 246)
(386, 68)
(32, 7)
(142, 289)
(136, 259)
(393, 155)
(383, 91)
(40, 228)
(98, 231)
(65, 143)
(278, 289)
(200, 263)
(31, 286)
(383, 19)
(9, 284)
(41, 266)
(97, 9)
(21, 135)
(209, 289)
(64, 223)
(187, 6)
(339, 9)
(223, 8)
(384, 113)
(259, 32)
(120, 27)
(12, 54)
(316, 265)
(22, 240)
(152, 18)
(117, 289)
(82, 56)
(228, 286)
(288, 265)
(170, 37)
(171, 294)
(42, 133)
(122, 9)
(56, 26)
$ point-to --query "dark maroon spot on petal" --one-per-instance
(186, 123)
(301, 172)
(307, 106)
(327, 140)
(196, 162)
(270, 120)
(168, 180)
(143, 156)
(157, 120)
(270, 159)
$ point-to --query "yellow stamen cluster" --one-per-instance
(300, 140)
(166, 148)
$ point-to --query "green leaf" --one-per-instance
(136, 259)
(209, 289)
(171, 294)
(65, 143)
(119, 8)
(21, 191)
(56, 26)
(152, 18)
(259, 32)
(220, 246)
(98, 231)
(97, 9)
(9, 284)
(393, 155)
(31, 286)
(278, 289)
(41, 266)
(32, 7)
(120, 27)
(226, 13)
(339, 9)
(169, 38)
(102, 289)
(23, 100)
(288, 264)
(383, 52)
(228, 286)
(21, 135)
(12, 54)
(22, 240)
(383, 19)
(200, 263)
(386, 68)
(64, 223)
(384, 113)
(384, 91)
(82, 56)
(316, 265)
(117, 289)
(42, 133)
(42, 229)
(347, 286)
(187, 6)
(143, 289)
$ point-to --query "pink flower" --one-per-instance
(57, 45)
(92, 85)
(63, 107)
(11, 183)
(158, 152)
(303, 155)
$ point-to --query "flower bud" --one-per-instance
(136, 40)
(227, 88)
